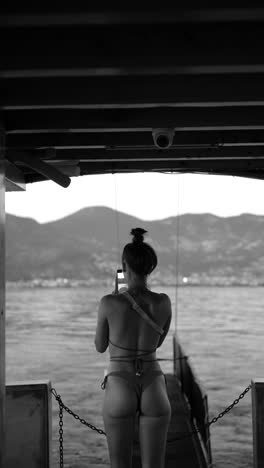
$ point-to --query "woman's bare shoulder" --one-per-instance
(161, 297)
(165, 303)
(109, 299)
(164, 297)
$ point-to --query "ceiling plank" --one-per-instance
(259, 174)
(186, 165)
(151, 154)
(131, 139)
(123, 45)
(131, 15)
(136, 119)
(216, 90)
(243, 171)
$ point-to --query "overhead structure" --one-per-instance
(87, 91)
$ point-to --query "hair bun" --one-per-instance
(138, 234)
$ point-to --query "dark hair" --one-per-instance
(140, 256)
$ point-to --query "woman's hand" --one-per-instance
(123, 289)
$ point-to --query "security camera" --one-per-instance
(163, 137)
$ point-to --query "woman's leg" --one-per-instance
(119, 412)
(154, 423)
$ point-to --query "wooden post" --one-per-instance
(258, 422)
(2, 302)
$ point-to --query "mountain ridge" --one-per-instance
(108, 209)
(84, 245)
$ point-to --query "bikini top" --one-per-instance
(145, 316)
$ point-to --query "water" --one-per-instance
(50, 336)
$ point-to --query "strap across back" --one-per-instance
(143, 314)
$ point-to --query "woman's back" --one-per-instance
(128, 329)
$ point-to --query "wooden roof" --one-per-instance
(82, 91)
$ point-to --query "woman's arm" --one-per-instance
(102, 328)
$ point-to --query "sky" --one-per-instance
(144, 195)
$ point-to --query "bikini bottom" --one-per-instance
(138, 383)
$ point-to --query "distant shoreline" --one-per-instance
(72, 283)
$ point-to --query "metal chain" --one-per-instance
(100, 431)
(235, 402)
(61, 433)
(62, 406)
(215, 419)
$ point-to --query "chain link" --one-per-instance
(100, 431)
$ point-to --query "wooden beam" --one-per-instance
(146, 45)
(258, 422)
(2, 306)
(250, 169)
(41, 167)
(14, 178)
(184, 119)
(232, 156)
(256, 169)
(131, 15)
(71, 170)
(258, 175)
(132, 71)
(187, 140)
(91, 92)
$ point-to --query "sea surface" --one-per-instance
(50, 336)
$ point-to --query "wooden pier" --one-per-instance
(185, 453)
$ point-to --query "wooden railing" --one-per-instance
(195, 394)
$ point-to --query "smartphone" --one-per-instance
(120, 283)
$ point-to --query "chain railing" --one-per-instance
(100, 431)
(215, 419)
(62, 406)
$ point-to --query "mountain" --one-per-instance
(84, 246)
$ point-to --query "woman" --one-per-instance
(134, 323)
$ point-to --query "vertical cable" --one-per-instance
(176, 363)
(177, 252)
(117, 225)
